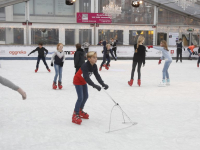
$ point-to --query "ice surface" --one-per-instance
(168, 117)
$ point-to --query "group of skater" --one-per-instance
(84, 68)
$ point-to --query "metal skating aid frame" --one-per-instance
(123, 114)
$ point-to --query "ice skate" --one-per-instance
(100, 68)
(54, 86)
(139, 82)
(198, 65)
(36, 70)
(76, 118)
(168, 82)
(106, 67)
(83, 114)
(130, 82)
(162, 83)
(49, 70)
(60, 85)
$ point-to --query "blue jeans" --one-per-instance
(44, 61)
(82, 92)
(189, 52)
(58, 71)
(165, 69)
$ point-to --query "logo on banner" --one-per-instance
(17, 52)
(70, 52)
(172, 51)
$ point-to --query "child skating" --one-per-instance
(59, 59)
(42, 52)
(138, 59)
(168, 61)
(106, 57)
(81, 79)
(11, 85)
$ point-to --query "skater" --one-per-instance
(79, 58)
(59, 59)
(179, 50)
(168, 61)
(191, 51)
(198, 58)
(114, 47)
(106, 56)
(138, 59)
(41, 55)
(9, 84)
(81, 79)
(86, 46)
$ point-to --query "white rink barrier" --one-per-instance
(122, 51)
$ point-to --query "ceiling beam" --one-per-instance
(8, 3)
(171, 9)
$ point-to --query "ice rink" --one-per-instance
(168, 117)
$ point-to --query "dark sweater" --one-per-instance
(140, 55)
(83, 75)
(79, 58)
(40, 51)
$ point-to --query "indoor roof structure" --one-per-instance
(193, 11)
(4, 3)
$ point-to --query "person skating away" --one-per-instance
(79, 58)
(59, 59)
(11, 85)
(114, 47)
(180, 46)
(106, 56)
(168, 61)
(138, 59)
(86, 46)
(81, 79)
(42, 52)
(199, 57)
(191, 51)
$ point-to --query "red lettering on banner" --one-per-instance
(72, 52)
(17, 52)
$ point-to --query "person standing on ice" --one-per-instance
(107, 50)
(114, 47)
(168, 61)
(11, 85)
(41, 55)
(81, 79)
(59, 59)
(191, 51)
(198, 58)
(138, 59)
(179, 50)
(79, 58)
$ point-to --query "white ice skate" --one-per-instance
(168, 82)
(162, 83)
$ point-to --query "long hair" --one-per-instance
(140, 39)
(165, 45)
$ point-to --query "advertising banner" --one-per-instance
(122, 51)
(93, 18)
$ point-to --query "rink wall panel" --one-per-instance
(19, 52)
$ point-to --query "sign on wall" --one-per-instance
(173, 38)
(93, 18)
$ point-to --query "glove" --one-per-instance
(52, 64)
(61, 64)
(151, 46)
(193, 52)
(97, 87)
(105, 86)
(159, 62)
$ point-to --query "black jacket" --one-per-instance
(79, 58)
(179, 45)
(114, 45)
(40, 51)
(88, 70)
(140, 55)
